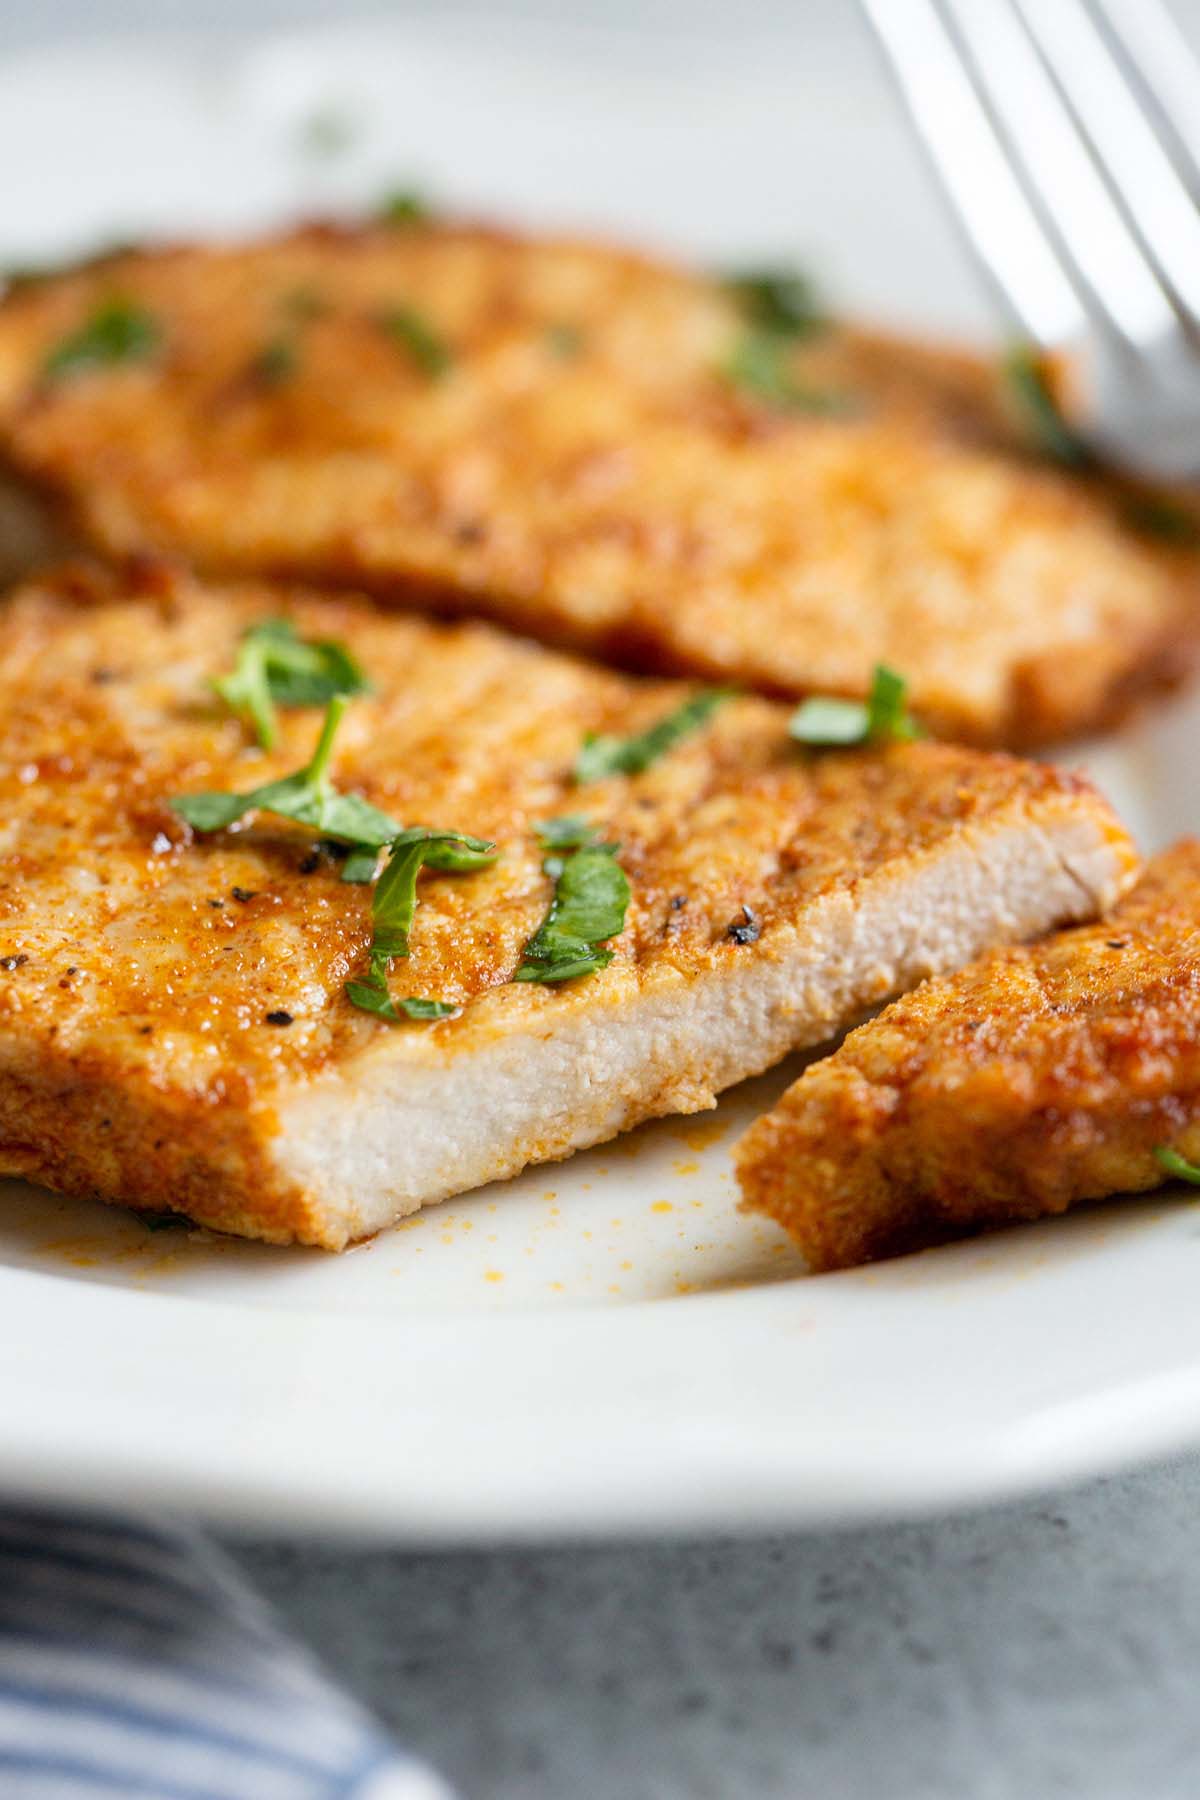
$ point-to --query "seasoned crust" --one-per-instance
(622, 498)
(1034, 1079)
(138, 966)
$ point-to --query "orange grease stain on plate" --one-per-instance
(661, 1206)
(701, 1135)
(685, 1166)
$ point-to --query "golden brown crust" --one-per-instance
(138, 966)
(1034, 1079)
(623, 498)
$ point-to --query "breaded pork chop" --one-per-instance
(1029, 1081)
(174, 1025)
(598, 450)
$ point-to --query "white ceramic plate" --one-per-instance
(603, 1345)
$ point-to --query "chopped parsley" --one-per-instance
(782, 301)
(393, 907)
(303, 304)
(308, 797)
(117, 332)
(275, 363)
(570, 832)
(564, 341)
(1028, 384)
(760, 364)
(1176, 1165)
(779, 308)
(591, 897)
(601, 756)
(1156, 516)
(328, 132)
(404, 206)
(882, 718)
(407, 328)
(274, 667)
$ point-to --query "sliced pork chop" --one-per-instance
(603, 451)
(1029, 1081)
(174, 1026)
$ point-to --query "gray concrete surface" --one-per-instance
(1038, 1652)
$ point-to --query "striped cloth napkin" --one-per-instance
(135, 1661)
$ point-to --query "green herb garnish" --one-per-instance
(328, 132)
(1176, 1165)
(781, 301)
(275, 363)
(308, 797)
(1155, 516)
(304, 304)
(565, 341)
(394, 905)
(570, 832)
(117, 332)
(276, 667)
(760, 365)
(881, 718)
(1025, 374)
(415, 335)
(601, 756)
(404, 206)
(591, 897)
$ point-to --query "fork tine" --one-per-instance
(1041, 135)
(974, 170)
(1122, 140)
(1169, 69)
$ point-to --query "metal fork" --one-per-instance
(1066, 135)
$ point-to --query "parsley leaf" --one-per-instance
(373, 997)
(308, 797)
(570, 832)
(415, 335)
(1156, 516)
(404, 206)
(882, 718)
(778, 300)
(275, 363)
(394, 905)
(564, 341)
(1028, 383)
(601, 756)
(1176, 1165)
(275, 666)
(591, 897)
(760, 365)
(117, 332)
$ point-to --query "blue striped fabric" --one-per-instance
(135, 1661)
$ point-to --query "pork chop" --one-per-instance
(175, 1026)
(602, 451)
(1033, 1079)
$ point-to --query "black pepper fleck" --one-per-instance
(747, 929)
(74, 969)
(311, 861)
(1117, 944)
(677, 901)
(469, 531)
(13, 962)
(279, 1018)
(216, 903)
(243, 894)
